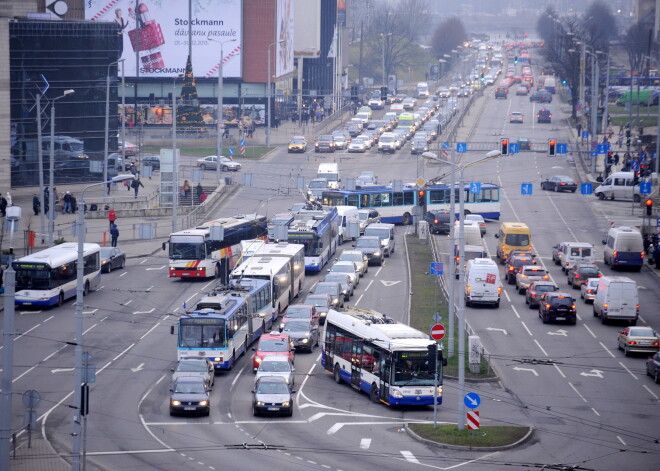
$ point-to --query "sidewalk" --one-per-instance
(40, 457)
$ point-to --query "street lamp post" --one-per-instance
(268, 93)
(461, 272)
(107, 126)
(175, 163)
(606, 93)
(51, 212)
(220, 128)
(41, 171)
(80, 293)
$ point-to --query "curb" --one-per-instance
(523, 440)
(491, 379)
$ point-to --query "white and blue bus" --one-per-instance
(397, 206)
(226, 322)
(49, 277)
(277, 270)
(318, 231)
(392, 362)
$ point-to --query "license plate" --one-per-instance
(185, 274)
(645, 342)
(561, 318)
(273, 408)
(189, 408)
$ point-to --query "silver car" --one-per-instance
(589, 289)
(211, 162)
(277, 365)
(199, 367)
(347, 268)
(347, 287)
(357, 257)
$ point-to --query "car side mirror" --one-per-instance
(353, 245)
(164, 245)
(171, 389)
(209, 389)
(497, 236)
(172, 370)
(171, 330)
(293, 391)
(603, 241)
(281, 328)
(293, 369)
(252, 391)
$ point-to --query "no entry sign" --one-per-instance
(438, 332)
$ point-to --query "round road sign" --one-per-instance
(438, 332)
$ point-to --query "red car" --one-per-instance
(272, 344)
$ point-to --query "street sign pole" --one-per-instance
(435, 390)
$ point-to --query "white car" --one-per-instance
(359, 144)
(277, 365)
(357, 257)
(211, 162)
(347, 268)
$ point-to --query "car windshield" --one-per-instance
(367, 243)
(190, 387)
(274, 366)
(517, 239)
(387, 139)
(412, 368)
(273, 346)
(329, 288)
(318, 302)
(641, 332)
(318, 184)
(106, 252)
(296, 326)
(338, 277)
(272, 387)
(192, 367)
(382, 233)
(342, 269)
(297, 141)
(588, 271)
(545, 288)
(350, 257)
(294, 312)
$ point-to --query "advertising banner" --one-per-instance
(157, 31)
(284, 46)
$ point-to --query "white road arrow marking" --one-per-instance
(517, 368)
(145, 312)
(140, 367)
(499, 330)
(389, 283)
(60, 370)
(156, 268)
(596, 373)
(559, 332)
(90, 312)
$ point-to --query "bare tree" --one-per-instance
(448, 35)
(599, 26)
(414, 18)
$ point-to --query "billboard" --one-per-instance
(307, 24)
(284, 46)
(157, 32)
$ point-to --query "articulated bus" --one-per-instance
(390, 361)
(318, 231)
(49, 277)
(226, 322)
(276, 270)
(195, 254)
(295, 253)
(397, 206)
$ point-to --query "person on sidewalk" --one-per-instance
(112, 216)
(3, 206)
(46, 200)
(199, 189)
(114, 234)
(66, 208)
(36, 204)
(74, 204)
(656, 256)
(9, 202)
(136, 184)
(186, 188)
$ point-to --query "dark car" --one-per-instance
(326, 143)
(322, 302)
(536, 290)
(544, 116)
(541, 96)
(514, 263)
(501, 92)
(304, 333)
(524, 144)
(189, 395)
(559, 183)
(272, 395)
(439, 221)
(653, 367)
(151, 160)
(370, 246)
(579, 273)
(419, 146)
(73, 167)
(333, 289)
(111, 258)
(556, 251)
(557, 306)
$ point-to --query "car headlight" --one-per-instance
(344, 291)
(383, 243)
(259, 403)
(305, 340)
(176, 403)
(396, 393)
(203, 403)
(377, 254)
(258, 360)
(286, 404)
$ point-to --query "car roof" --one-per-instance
(273, 336)
(189, 379)
(272, 379)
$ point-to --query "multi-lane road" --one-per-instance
(590, 405)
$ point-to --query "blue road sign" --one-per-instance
(602, 149)
(526, 188)
(437, 268)
(472, 400)
(514, 148)
(562, 148)
(585, 134)
(461, 147)
(475, 188)
(242, 142)
(445, 146)
(586, 188)
(644, 188)
(634, 165)
(657, 222)
(231, 151)
(593, 153)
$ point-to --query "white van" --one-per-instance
(385, 232)
(624, 247)
(471, 230)
(576, 252)
(471, 252)
(482, 282)
(617, 299)
(618, 185)
(329, 171)
(347, 214)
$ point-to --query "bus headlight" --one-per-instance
(439, 390)
(396, 393)
(217, 359)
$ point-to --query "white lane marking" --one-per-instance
(358, 300)
(335, 428)
(626, 368)
(145, 312)
(498, 330)
(150, 288)
(621, 440)
(89, 329)
(539, 345)
(138, 368)
(389, 283)
(54, 353)
(191, 297)
(587, 327)
(468, 462)
(506, 295)
(651, 392)
(27, 332)
(143, 261)
(127, 349)
(369, 285)
(593, 373)
(207, 285)
(24, 373)
(568, 227)
(595, 412)
(532, 370)
(515, 311)
(528, 331)
(126, 303)
(123, 274)
(576, 391)
(127, 452)
(147, 394)
(156, 268)
(606, 349)
(149, 331)
(559, 370)
(378, 271)
(237, 376)
(46, 320)
(90, 312)
(409, 457)
(365, 443)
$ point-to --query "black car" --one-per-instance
(538, 289)
(524, 144)
(370, 246)
(272, 395)
(544, 116)
(514, 263)
(557, 306)
(111, 258)
(304, 333)
(653, 367)
(541, 96)
(151, 160)
(439, 221)
(501, 92)
(190, 395)
(559, 183)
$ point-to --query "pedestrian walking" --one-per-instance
(202, 197)
(114, 234)
(186, 188)
(9, 201)
(3, 206)
(112, 216)
(36, 204)
(656, 256)
(74, 204)
(46, 200)
(66, 208)
(616, 158)
(199, 189)
(136, 184)
(56, 196)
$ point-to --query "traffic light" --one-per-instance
(383, 93)
(515, 60)
(354, 92)
(552, 147)
(421, 198)
(649, 207)
(504, 146)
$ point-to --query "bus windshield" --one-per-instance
(187, 251)
(37, 278)
(412, 368)
(202, 336)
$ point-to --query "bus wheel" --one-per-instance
(60, 299)
(337, 374)
(86, 289)
(373, 394)
(406, 219)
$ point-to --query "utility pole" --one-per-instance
(7, 366)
